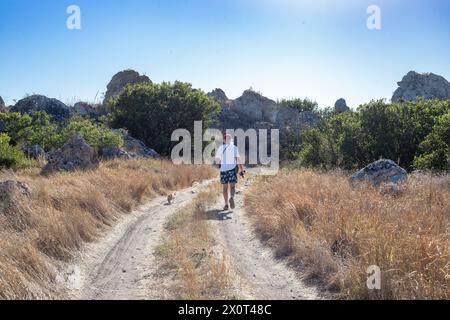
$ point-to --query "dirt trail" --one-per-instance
(122, 265)
(263, 277)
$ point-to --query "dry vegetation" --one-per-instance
(66, 210)
(189, 253)
(335, 232)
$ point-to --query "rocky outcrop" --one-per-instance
(2, 109)
(133, 148)
(341, 106)
(137, 148)
(252, 110)
(426, 85)
(256, 107)
(57, 110)
(3, 106)
(76, 154)
(120, 80)
(14, 199)
(379, 173)
(84, 109)
(113, 153)
(12, 189)
(289, 119)
(220, 96)
(34, 152)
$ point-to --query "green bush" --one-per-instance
(414, 134)
(300, 104)
(31, 130)
(151, 112)
(10, 157)
(96, 135)
(436, 147)
(38, 130)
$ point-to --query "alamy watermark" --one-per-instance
(374, 278)
(73, 22)
(256, 152)
(374, 19)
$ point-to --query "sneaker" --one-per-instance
(225, 208)
(232, 205)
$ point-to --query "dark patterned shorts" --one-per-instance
(228, 177)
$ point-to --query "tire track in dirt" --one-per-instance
(121, 265)
(262, 276)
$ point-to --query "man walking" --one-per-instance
(228, 155)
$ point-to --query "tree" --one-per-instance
(151, 112)
(414, 134)
(436, 147)
(315, 151)
(347, 142)
(301, 105)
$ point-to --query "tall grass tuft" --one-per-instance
(336, 232)
(68, 209)
(188, 252)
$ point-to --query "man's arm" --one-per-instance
(218, 159)
(239, 163)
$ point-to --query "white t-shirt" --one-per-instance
(227, 155)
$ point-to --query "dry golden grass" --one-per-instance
(68, 209)
(335, 232)
(200, 272)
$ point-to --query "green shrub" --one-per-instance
(414, 134)
(39, 130)
(300, 104)
(96, 135)
(31, 130)
(151, 112)
(10, 157)
(436, 147)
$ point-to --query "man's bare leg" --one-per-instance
(232, 194)
(225, 194)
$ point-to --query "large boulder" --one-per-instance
(137, 148)
(256, 107)
(34, 152)
(76, 154)
(84, 109)
(341, 106)
(380, 173)
(57, 110)
(14, 199)
(113, 153)
(11, 190)
(426, 85)
(120, 80)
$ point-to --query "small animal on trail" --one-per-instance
(171, 198)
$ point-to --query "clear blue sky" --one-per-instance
(284, 48)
